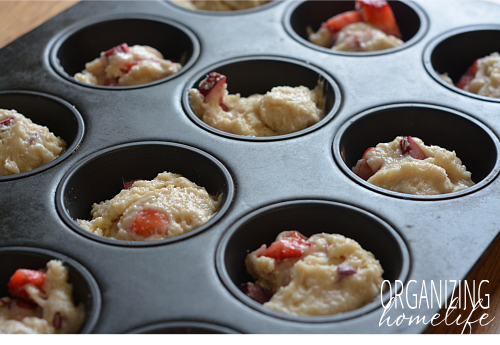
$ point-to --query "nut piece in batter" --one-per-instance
(220, 5)
(406, 165)
(167, 206)
(125, 66)
(482, 78)
(371, 26)
(25, 145)
(40, 302)
(324, 274)
(282, 110)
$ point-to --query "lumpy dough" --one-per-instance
(486, 81)
(25, 145)
(55, 298)
(312, 285)
(441, 172)
(126, 67)
(357, 37)
(185, 205)
(282, 110)
(220, 5)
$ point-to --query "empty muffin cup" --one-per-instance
(85, 41)
(85, 289)
(108, 172)
(478, 151)
(455, 51)
(410, 18)
(309, 217)
(258, 75)
(60, 117)
(183, 327)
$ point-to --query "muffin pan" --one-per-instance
(301, 181)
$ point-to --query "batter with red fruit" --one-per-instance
(481, 78)
(283, 110)
(406, 165)
(370, 26)
(324, 274)
(125, 66)
(167, 206)
(220, 5)
(40, 302)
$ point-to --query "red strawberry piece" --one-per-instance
(256, 292)
(128, 184)
(408, 145)
(212, 87)
(7, 122)
(21, 278)
(338, 22)
(122, 48)
(57, 321)
(466, 79)
(363, 170)
(292, 246)
(346, 270)
(150, 222)
(379, 14)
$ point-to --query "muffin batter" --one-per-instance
(220, 5)
(282, 110)
(125, 66)
(167, 206)
(482, 78)
(357, 37)
(25, 145)
(40, 302)
(406, 165)
(323, 275)
(370, 27)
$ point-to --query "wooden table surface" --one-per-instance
(19, 17)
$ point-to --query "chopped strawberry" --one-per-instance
(363, 170)
(336, 23)
(21, 278)
(213, 86)
(291, 246)
(127, 185)
(468, 76)
(367, 150)
(7, 122)
(111, 82)
(256, 292)
(408, 145)
(57, 320)
(344, 271)
(379, 14)
(150, 222)
(347, 270)
(122, 48)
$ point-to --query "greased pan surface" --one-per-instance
(188, 285)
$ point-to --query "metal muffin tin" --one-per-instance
(300, 181)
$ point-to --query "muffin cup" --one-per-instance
(101, 176)
(59, 116)
(258, 75)
(410, 18)
(85, 289)
(85, 41)
(478, 151)
(455, 51)
(310, 217)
